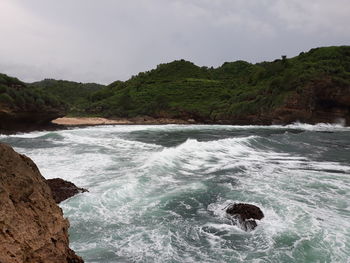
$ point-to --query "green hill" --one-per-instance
(23, 107)
(311, 87)
(76, 95)
(15, 95)
(231, 93)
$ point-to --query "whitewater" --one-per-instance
(158, 193)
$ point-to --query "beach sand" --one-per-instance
(78, 121)
(91, 121)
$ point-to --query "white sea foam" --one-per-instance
(149, 202)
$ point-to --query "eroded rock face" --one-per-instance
(62, 190)
(322, 100)
(32, 227)
(245, 215)
(12, 122)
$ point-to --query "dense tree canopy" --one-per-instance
(181, 89)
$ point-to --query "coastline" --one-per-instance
(76, 122)
(72, 122)
(95, 121)
(87, 121)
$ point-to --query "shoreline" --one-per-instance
(77, 122)
(96, 121)
(87, 121)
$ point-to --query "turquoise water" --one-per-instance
(158, 193)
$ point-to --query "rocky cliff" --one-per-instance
(23, 108)
(324, 100)
(32, 227)
(24, 121)
(321, 101)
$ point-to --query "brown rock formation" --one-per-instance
(324, 100)
(62, 190)
(32, 227)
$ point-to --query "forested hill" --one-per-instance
(22, 107)
(75, 95)
(311, 87)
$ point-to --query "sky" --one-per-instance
(106, 40)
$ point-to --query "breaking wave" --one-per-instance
(158, 193)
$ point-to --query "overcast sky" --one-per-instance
(105, 40)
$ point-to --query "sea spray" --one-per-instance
(157, 193)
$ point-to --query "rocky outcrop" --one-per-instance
(24, 108)
(62, 190)
(245, 215)
(24, 121)
(32, 227)
(324, 100)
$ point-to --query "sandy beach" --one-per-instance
(78, 121)
(91, 121)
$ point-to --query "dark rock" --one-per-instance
(245, 215)
(62, 190)
(246, 211)
(32, 226)
(14, 121)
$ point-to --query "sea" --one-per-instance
(158, 193)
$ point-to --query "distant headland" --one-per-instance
(312, 87)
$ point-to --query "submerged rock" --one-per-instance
(62, 190)
(245, 215)
(32, 227)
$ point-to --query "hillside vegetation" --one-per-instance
(23, 108)
(311, 87)
(238, 89)
(16, 96)
(75, 95)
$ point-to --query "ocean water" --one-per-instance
(158, 193)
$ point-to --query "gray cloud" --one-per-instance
(105, 40)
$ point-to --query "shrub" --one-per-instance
(3, 88)
(6, 99)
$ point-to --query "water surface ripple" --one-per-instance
(157, 193)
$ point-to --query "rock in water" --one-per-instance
(32, 227)
(245, 215)
(62, 190)
(246, 211)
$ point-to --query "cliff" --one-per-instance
(321, 101)
(324, 100)
(24, 121)
(23, 108)
(32, 227)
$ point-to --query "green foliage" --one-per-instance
(181, 89)
(10, 81)
(77, 96)
(3, 88)
(6, 99)
(238, 70)
(17, 96)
